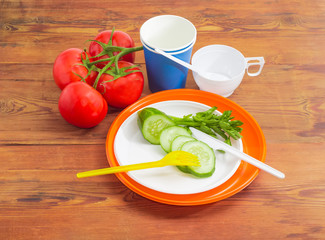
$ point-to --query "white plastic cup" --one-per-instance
(174, 35)
(227, 67)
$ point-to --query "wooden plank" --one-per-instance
(292, 114)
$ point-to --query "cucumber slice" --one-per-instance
(169, 134)
(206, 156)
(151, 122)
(178, 142)
(177, 145)
(183, 169)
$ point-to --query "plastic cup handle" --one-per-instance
(260, 62)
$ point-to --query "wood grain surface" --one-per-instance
(40, 153)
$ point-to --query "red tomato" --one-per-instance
(81, 105)
(124, 90)
(67, 63)
(120, 39)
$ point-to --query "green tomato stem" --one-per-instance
(101, 73)
(114, 60)
(122, 51)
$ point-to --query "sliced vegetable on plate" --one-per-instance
(169, 134)
(206, 157)
(151, 122)
(172, 134)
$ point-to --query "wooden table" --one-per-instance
(40, 153)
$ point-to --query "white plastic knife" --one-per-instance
(217, 144)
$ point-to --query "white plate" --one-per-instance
(130, 147)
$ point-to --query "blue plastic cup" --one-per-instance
(174, 35)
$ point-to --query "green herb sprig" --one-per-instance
(213, 124)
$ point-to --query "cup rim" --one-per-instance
(223, 46)
(170, 50)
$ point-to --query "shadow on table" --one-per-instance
(149, 207)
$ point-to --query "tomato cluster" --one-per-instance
(104, 76)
